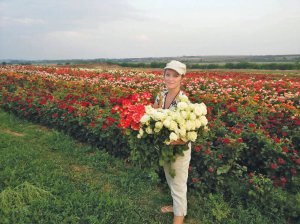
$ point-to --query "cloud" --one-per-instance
(134, 28)
(70, 13)
(141, 37)
(66, 35)
(8, 21)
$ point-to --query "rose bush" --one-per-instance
(253, 118)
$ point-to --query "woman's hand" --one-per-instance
(178, 142)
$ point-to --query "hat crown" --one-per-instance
(177, 66)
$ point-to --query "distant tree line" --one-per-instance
(239, 65)
(247, 65)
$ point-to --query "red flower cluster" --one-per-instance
(132, 110)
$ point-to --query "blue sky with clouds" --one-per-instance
(66, 29)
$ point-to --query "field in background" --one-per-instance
(293, 73)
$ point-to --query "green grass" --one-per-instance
(48, 177)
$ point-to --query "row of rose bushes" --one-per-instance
(253, 119)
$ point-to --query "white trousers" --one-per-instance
(178, 184)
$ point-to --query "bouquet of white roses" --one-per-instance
(181, 122)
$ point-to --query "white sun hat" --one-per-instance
(176, 66)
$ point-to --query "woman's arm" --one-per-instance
(178, 142)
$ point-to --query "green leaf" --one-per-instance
(223, 169)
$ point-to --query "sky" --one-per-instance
(88, 29)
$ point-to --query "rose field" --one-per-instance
(250, 152)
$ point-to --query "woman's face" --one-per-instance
(172, 79)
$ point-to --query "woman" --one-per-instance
(173, 75)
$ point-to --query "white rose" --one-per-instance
(145, 119)
(183, 114)
(190, 125)
(182, 125)
(173, 125)
(182, 105)
(203, 120)
(193, 125)
(198, 110)
(149, 130)
(192, 136)
(148, 109)
(141, 131)
(204, 108)
(173, 136)
(183, 98)
(188, 114)
(180, 121)
(159, 125)
(164, 115)
(192, 106)
(157, 116)
(156, 130)
(198, 123)
(175, 115)
(169, 117)
(166, 123)
(182, 132)
(193, 116)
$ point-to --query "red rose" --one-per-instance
(85, 104)
(135, 126)
(207, 152)
(197, 148)
(293, 171)
(240, 140)
(233, 109)
(251, 125)
(115, 109)
(226, 140)
(273, 166)
(195, 180)
(43, 102)
(285, 149)
(283, 180)
(277, 140)
(281, 161)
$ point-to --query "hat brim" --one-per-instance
(173, 70)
